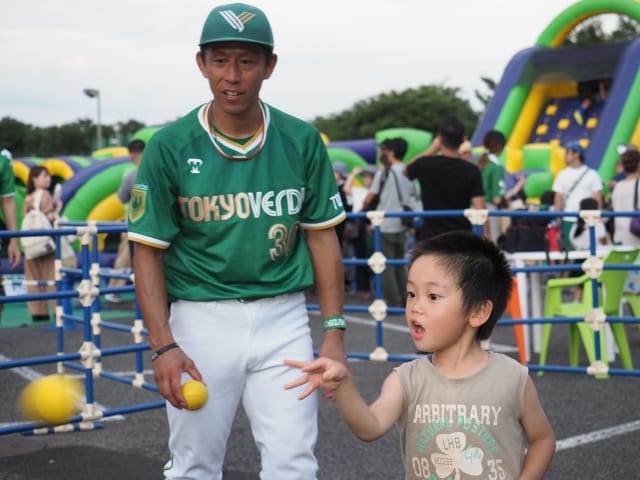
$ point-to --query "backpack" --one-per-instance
(528, 234)
(35, 219)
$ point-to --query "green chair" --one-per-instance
(611, 286)
(631, 294)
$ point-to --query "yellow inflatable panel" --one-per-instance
(109, 209)
(58, 168)
(110, 152)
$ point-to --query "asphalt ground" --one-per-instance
(597, 422)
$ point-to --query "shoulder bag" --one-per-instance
(406, 221)
(35, 219)
(375, 201)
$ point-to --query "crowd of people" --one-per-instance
(450, 178)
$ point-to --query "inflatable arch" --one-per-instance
(537, 94)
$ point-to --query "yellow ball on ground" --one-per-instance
(53, 399)
(195, 394)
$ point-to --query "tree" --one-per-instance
(591, 32)
(76, 138)
(128, 128)
(13, 135)
(422, 108)
(485, 98)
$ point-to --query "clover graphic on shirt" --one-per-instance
(456, 457)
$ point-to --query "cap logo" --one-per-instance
(237, 22)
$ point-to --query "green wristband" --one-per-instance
(335, 322)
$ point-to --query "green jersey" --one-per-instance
(492, 181)
(7, 177)
(234, 228)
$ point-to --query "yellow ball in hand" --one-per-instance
(195, 394)
(53, 399)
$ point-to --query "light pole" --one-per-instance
(95, 93)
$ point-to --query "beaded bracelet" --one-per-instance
(162, 350)
(335, 322)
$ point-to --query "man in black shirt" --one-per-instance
(447, 182)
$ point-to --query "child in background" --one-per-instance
(579, 234)
(462, 411)
(580, 239)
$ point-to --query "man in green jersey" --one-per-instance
(233, 215)
(7, 195)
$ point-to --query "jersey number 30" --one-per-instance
(283, 238)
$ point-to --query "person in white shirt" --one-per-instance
(572, 184)
(623, 196)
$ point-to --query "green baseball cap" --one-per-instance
(237, 22)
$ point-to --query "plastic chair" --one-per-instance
(631, 293)
(633, 300)
(611, 286)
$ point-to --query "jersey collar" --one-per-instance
(227, 147)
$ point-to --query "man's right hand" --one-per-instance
(168, 371)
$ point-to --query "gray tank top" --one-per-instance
(465, 428)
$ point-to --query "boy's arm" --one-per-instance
(366, 422)
(370, 422)
(540, 436)
(558, 200)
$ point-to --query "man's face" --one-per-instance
(572, 158)
(235, 72)
(384, 156)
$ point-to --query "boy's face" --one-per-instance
(434, 307)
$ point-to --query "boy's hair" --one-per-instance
(630, 161)
(547, 198)
(588, 203)
(136, 146)
(479, 268)
(494, 141)
(451, 132)
(397, 145)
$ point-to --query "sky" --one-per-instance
(140, 54)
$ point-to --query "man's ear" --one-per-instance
(271, 66)
(481, 314)
(201, 64)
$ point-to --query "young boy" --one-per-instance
(461, 411)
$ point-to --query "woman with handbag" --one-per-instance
(624, 198)
(41, 268)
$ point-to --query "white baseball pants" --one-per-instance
(239, 348)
